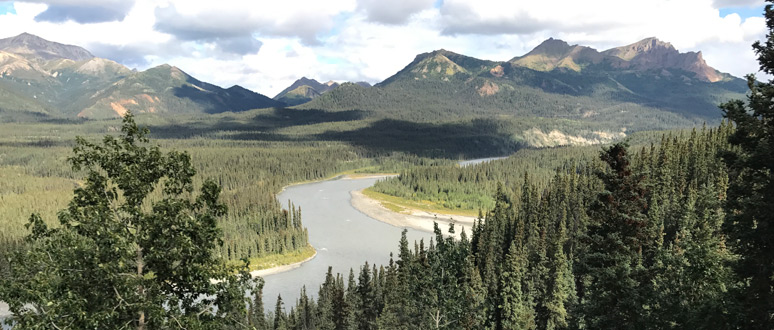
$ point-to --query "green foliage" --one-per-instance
(620, 247)
(238, 151)
(749, 208)
(472, 187)
(517, 307)
(121, 257)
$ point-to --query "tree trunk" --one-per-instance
(140, 289)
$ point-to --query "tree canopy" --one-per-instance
(135, 248)
(750, 220)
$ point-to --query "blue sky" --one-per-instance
(6, 7)
(265, 45)
(743, 12)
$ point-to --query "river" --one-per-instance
(471, 162)
(344, 238)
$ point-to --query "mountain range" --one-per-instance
(44, 79)
(645, 85)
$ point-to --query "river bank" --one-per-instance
(410, 218)
(281, 268)
(404, 216)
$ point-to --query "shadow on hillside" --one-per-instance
(219, 101)
(260, 127)
(283, 117)
(459, 140)
(8, 116)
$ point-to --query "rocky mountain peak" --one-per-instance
(303, 90)
(554, 53)
(645, 46)
(551, 46)
(654, 54)
(36, 47)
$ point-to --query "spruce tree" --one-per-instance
(390, 317)
(366, 299)
(280, 319)
(257, 317)
(474, 295)
(750, 205)
(353, 313)
(561, 291)
(618, 240)
(325, 302)
(517, 307)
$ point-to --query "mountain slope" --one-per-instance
(167, 89)
(645, 55)
(440, 65)
(304, 90)
(646, 85)
(51, 79)
(36, 47)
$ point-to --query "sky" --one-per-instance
(266, 45)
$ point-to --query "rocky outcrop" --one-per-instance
(649, 54)
(654, 54)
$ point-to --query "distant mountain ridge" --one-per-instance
(304, 90)
(43, 78)
(32, 45)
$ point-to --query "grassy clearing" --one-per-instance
(392, 207)
(357, 173)
(287, 258)
(398, 204)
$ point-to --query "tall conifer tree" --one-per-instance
(750, 205)
(619, 239)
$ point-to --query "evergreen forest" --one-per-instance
(155, 222)
(631, 239)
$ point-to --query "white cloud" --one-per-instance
(737, 3)
(192, 20)
(83, 11)
(393, 11)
